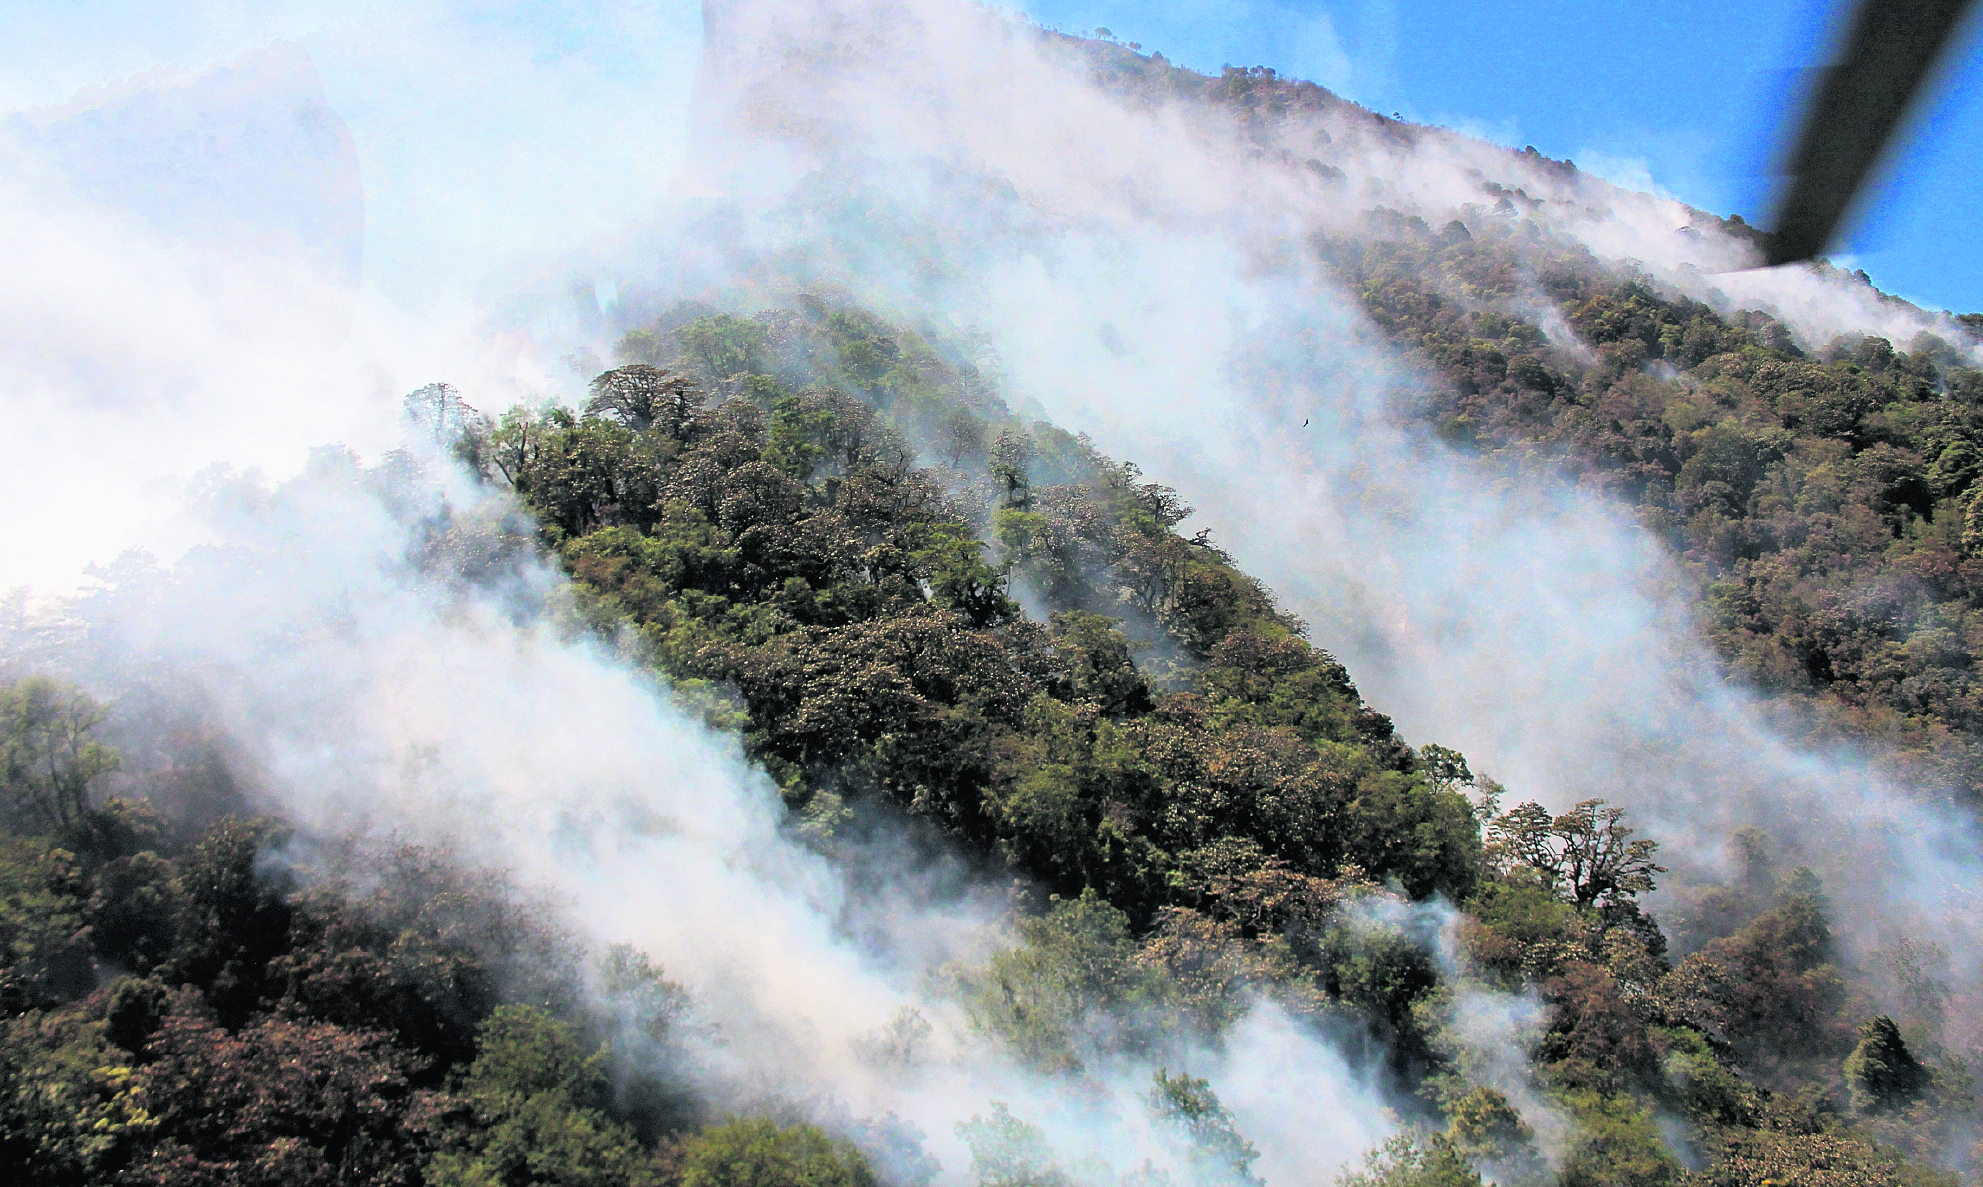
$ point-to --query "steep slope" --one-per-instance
(1211, 820)
(1175, 263)
(1820, 494)
(1026, 806)
(1818, 486)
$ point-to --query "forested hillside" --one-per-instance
(1823, 498)
(831, 536)
(1820, 493)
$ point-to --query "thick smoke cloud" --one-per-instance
(182, 344)
(1141, 266)
(369, 698)
(1142, 270)
(238, 260)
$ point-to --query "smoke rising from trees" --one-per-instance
(1129, 263)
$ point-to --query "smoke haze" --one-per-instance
(259, 250)
(1141, 265)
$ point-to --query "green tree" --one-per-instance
(1587, 854)
(440, 415)
(1011, 451)
(534, 1095)
(49, 754)
(1405, 1161)
(70, 1114)
(724, 345)
(640, 397)
(44, 948)
(232, 920)
(1618, 1144)
(134, 909)
(1215, 1152)
(758, 1152)
(1488, 1130)
(1007, 1152)
(1881, 1073)
(1771, 989)
(1774, 1158)
(1073, 977)
(1099, 655)
(962, 436)
(642, 1013)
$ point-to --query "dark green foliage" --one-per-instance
(1824, 501)
(1101, 670)
(48, 754)
(112, 829)
(231, 921)
(1881, 1073)
(139, 1085)
(758, 1152)
(789, 550)
(1384, 973)
(287, 1037)
(1202, 788)
(135, 1011)
(856, 617)
(1404, 1162)
(43, 946)
(1215, 1153)
(1007, 1152)
(534, 1094)
(1210, 813)
(345, 966)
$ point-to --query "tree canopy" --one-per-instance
(829, 535)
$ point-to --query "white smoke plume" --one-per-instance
(182, 334)
(1140, 262)
(370, 703)
(1142, 268)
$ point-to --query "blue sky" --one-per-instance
(1684, 95)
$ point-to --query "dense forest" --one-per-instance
(832, 537)
(1824, 499)
(1822, 495)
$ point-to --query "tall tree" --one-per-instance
(49, 754)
